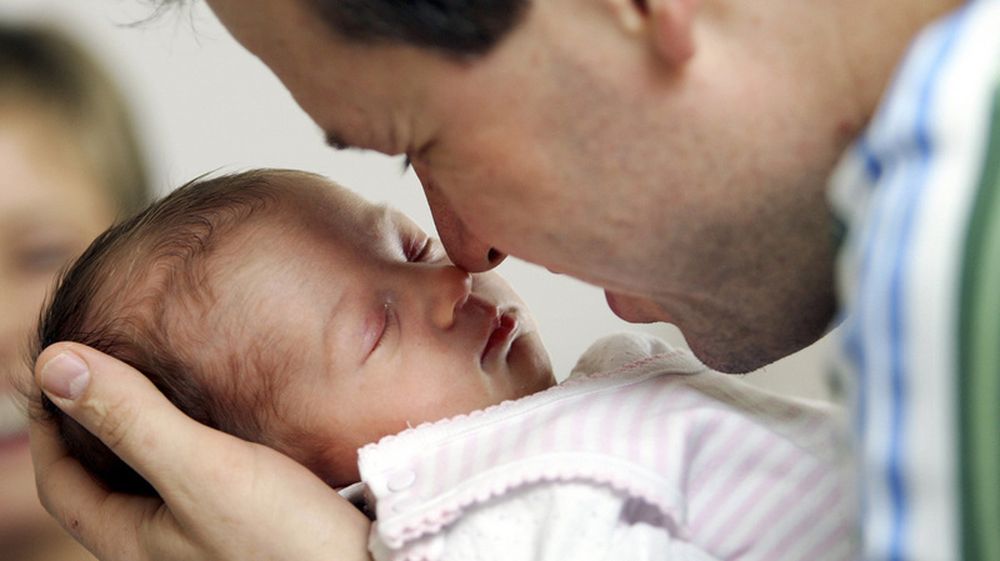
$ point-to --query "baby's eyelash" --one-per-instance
(420, 255)
(388, 322)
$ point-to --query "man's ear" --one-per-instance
(667, 24)
(671, 24)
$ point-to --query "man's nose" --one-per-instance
(444, 290)
(464, 248)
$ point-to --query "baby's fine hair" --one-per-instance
(143, 293)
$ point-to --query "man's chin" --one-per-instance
(738, 352)
(728, 362)
(719, 345)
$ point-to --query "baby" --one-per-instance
(283, 309)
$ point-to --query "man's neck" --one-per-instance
(875, 35)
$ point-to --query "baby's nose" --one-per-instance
(448, 288)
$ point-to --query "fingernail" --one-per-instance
(65, 376)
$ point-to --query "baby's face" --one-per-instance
(387, 331)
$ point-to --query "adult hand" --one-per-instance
(222, 498)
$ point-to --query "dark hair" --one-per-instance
(44, 69)
(455, 27)
(140, 293)
(459, 28)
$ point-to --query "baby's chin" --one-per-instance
(530, 365)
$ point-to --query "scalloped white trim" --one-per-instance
(619, 475)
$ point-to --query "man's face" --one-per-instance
(385, 331)
(571, 146)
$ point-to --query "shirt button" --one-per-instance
(399, 480)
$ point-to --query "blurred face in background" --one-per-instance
(52, 204)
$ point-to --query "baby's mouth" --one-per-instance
(500, 337)
(13, 420)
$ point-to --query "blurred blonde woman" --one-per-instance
(69, 165)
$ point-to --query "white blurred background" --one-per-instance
(203, 104)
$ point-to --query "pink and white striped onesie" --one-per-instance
(641, 454)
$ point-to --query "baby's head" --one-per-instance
(284, 309)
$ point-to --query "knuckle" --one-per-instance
(44, 497)
(70, 521)
(112, 422)
(47, 497)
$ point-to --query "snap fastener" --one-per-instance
(399, 480)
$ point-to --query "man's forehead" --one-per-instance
(250, 20)
(365, 95)
(284, 34)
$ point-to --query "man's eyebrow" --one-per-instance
(336, 141)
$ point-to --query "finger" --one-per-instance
(123, 409)
(104, 523)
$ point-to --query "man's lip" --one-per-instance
(635, 310)
(501, 336)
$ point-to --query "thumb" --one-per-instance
(124, 410)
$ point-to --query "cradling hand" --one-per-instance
(222, 498)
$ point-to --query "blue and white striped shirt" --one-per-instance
(919, 279)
